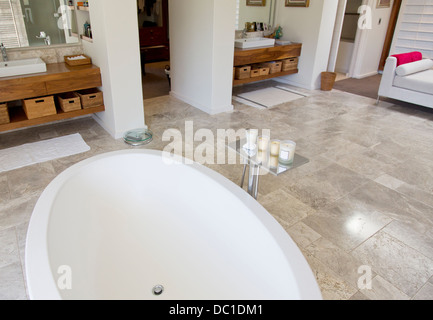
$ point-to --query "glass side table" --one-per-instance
(257, 160)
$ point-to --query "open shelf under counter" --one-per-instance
(18, 118)
(58, 79)
(237, 82)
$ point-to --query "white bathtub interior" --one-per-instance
(128, 222)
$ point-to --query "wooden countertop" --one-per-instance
(293, 44)
(58, 78)
(264, 54)
(55, 68)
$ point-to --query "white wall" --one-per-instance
(369, 43)
(202, 52)
(313, 27)
(115, 49)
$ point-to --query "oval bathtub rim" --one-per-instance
(37, 267)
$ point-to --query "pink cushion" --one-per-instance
(404, 58)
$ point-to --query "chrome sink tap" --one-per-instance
(46, 38)
(244, 34)
(4, 53)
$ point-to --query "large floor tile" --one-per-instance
(347, 223)
(287, 208)
(9, 252)
(12, 283)
(402, 266)
(326, 186)
(383, 290)
(338, 260)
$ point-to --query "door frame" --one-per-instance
(390, 33)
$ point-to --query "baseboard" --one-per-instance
(105, 127)
(200, 106)
(294, 83)
(366, 75)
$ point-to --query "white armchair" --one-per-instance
(411, 82)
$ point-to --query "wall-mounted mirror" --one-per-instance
(254, 11)
(34, 23)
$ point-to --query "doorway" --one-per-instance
(346, 46)
(362, 51)
(153, 24)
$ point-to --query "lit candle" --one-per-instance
(287, 152)
(263, 142)
(275, 148)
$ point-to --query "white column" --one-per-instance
(202, 53)
(116, 50)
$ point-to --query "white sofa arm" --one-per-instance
(387, 77)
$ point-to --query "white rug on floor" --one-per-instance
(37, 152)
(268, 97)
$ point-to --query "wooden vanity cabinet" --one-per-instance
(244, 57)
(59, 78)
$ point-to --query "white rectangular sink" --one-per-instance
(254, 43)
(21, 67)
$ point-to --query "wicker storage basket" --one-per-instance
(264, 71)
(39, 107)
(243, 72)
(69, 101)
(91, 98)
(274, 66)
(4, 114)
(290, 64)
(255, 73)
(328, 80)
(69, 60)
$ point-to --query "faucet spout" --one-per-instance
(244, 33)
(4, 53)
(47, 38)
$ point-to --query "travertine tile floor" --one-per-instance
(365, 199)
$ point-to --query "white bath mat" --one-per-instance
(268, 97)
(37, 152)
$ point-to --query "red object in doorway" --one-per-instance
(404, 58)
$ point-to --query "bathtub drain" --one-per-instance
(158, 290)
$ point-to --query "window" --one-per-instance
(416, 29)
(12, 28)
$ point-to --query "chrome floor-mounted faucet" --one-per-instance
(4, 53)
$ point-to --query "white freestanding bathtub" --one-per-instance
(118, 225)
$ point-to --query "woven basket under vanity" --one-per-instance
(4, 114)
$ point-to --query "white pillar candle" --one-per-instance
(263, 143)
(251, 136)
(287, 152)
(275, 148)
